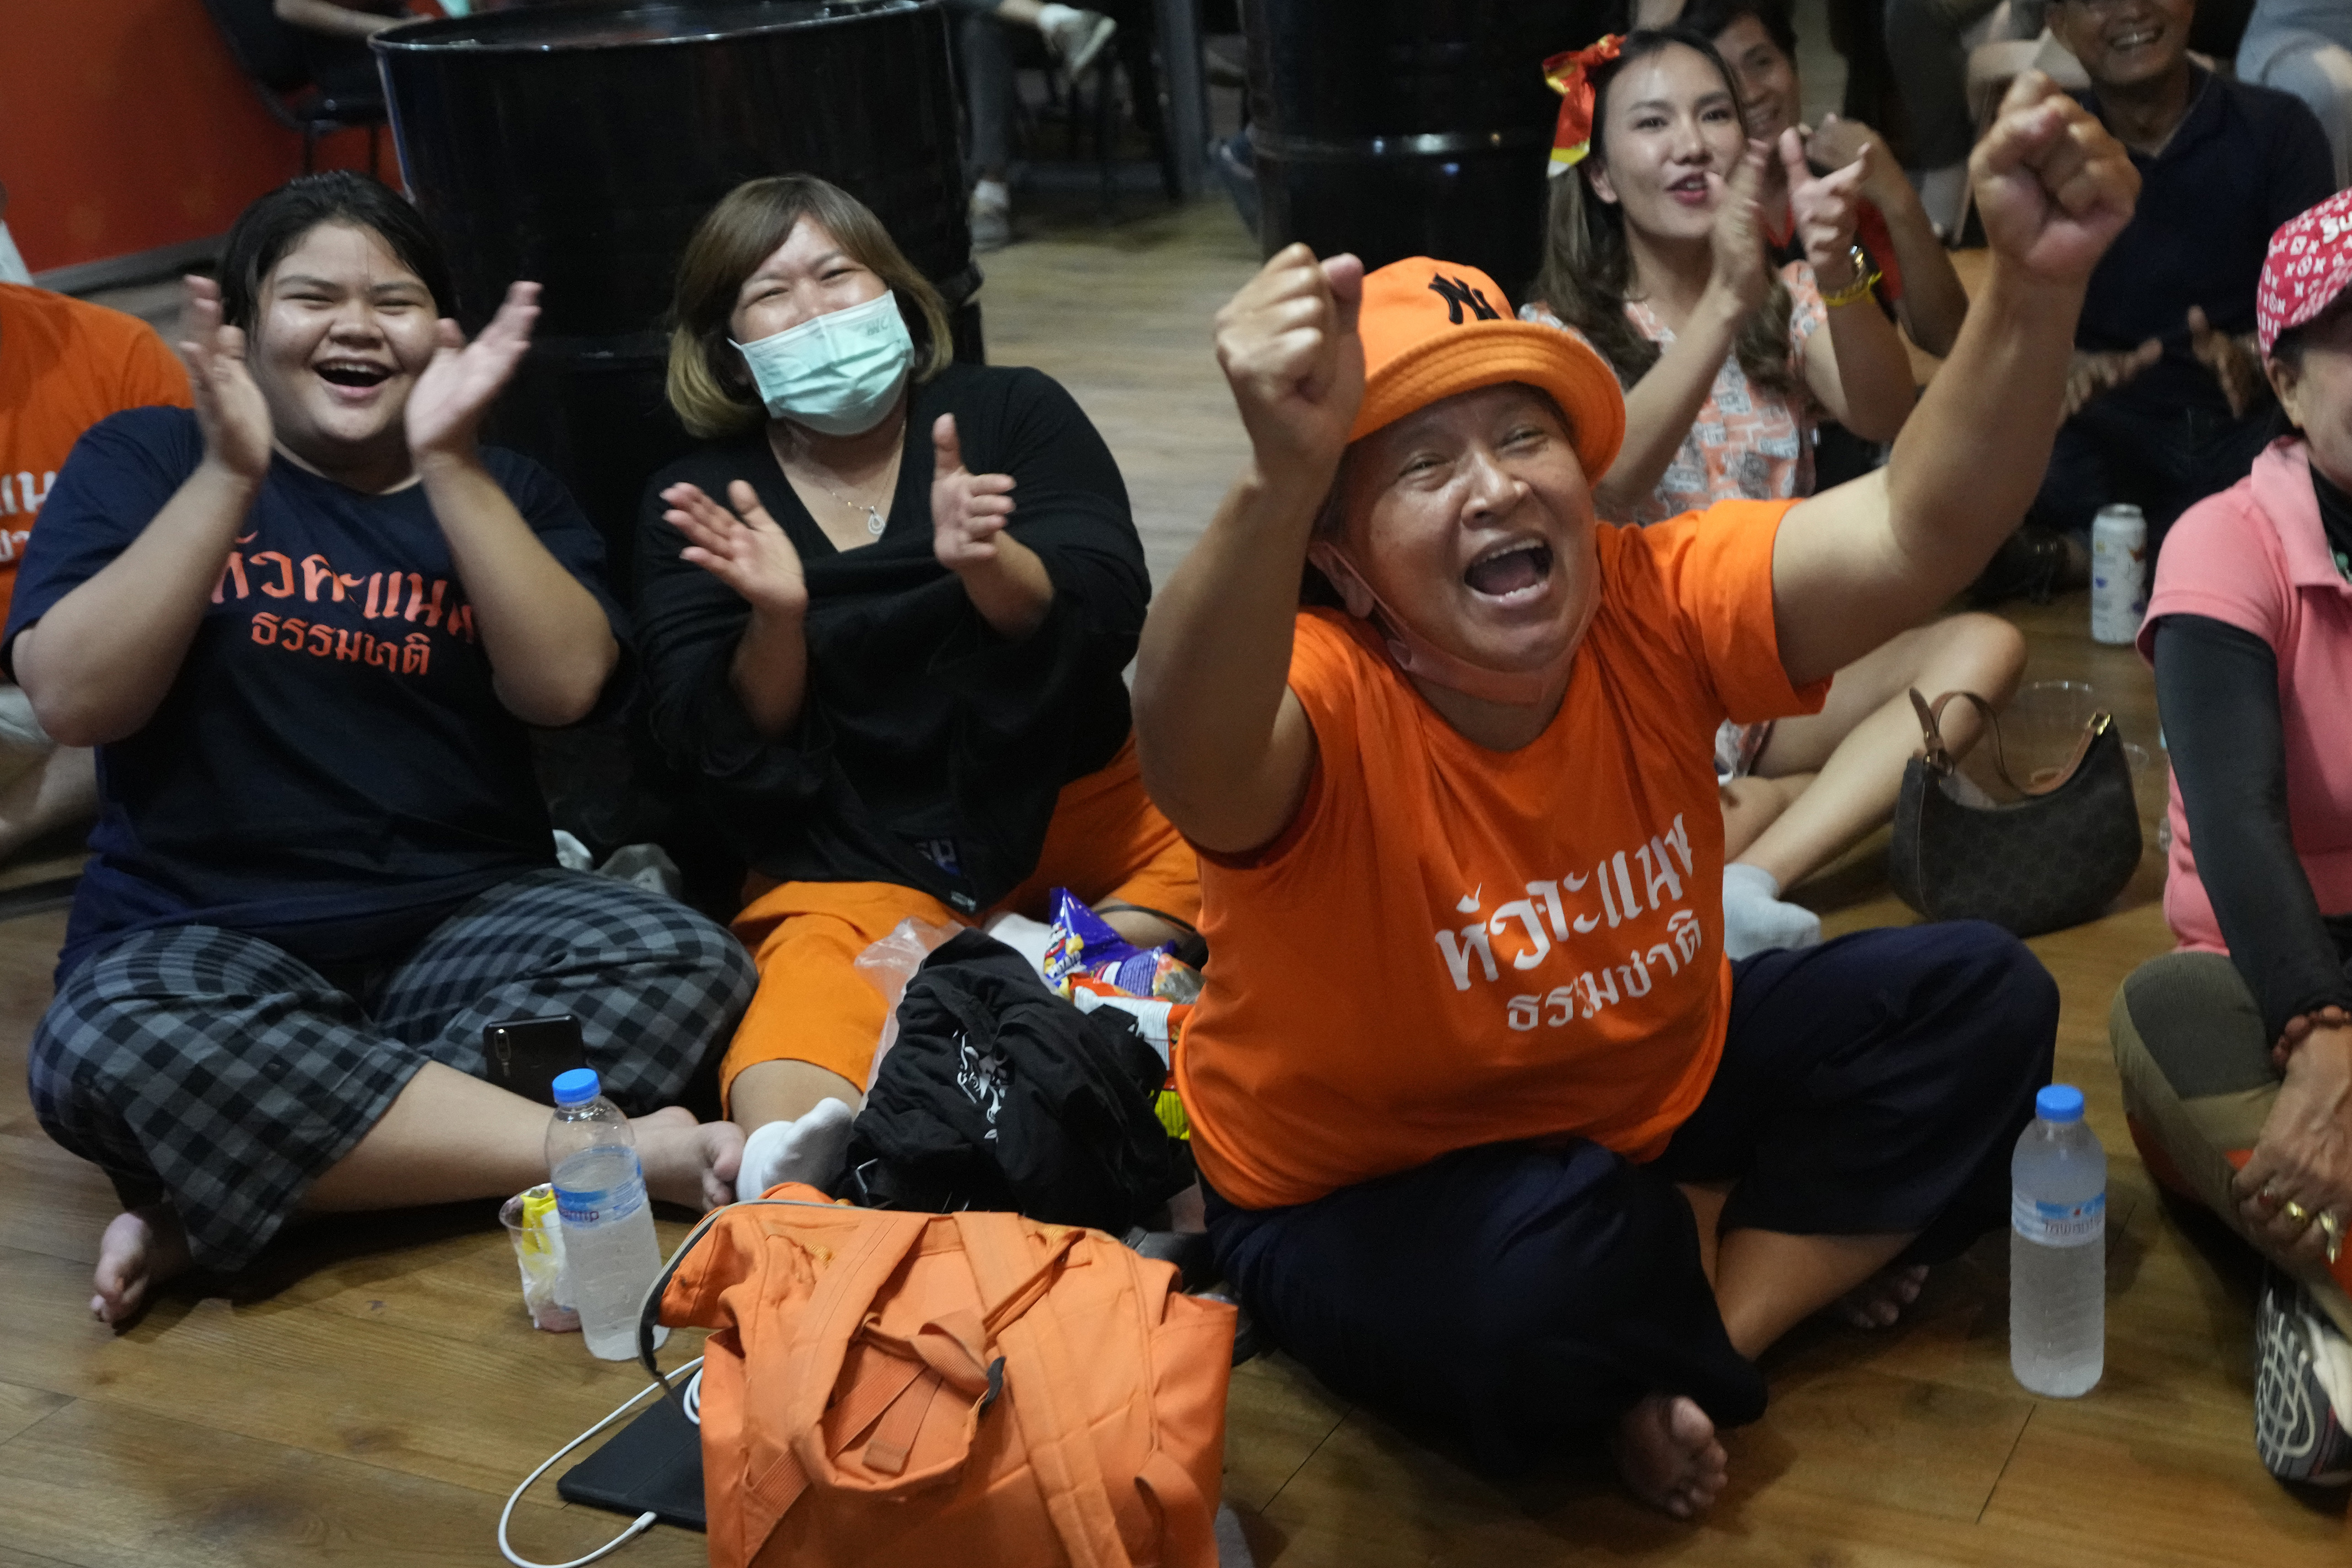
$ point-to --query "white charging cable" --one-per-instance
(692, 1400)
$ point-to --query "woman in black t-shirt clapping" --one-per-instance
(306, 626)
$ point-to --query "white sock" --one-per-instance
(809, 1150)
(1755, 921)
(1050, 16)
(992, 194)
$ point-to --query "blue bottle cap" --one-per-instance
(2059, 1102)
(579, 1085)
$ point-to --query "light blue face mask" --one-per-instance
(838, 373)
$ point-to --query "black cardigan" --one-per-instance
(928, 749)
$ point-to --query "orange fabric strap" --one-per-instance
(1188, 1530)
(1044, 1379)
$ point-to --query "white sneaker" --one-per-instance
(2303, 1384)
(992, 222)
(1076, 36)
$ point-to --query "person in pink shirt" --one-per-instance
(2235, 1050)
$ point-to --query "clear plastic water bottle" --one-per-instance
(2057, 1252)
(609, 1246)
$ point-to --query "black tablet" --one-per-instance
(654, 1463)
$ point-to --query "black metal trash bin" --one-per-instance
(1397, 127)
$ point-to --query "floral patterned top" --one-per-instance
(1746, 444)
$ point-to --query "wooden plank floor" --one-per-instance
(372, 1393)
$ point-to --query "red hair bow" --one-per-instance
(1571, 76)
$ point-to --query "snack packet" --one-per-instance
(1084, 942)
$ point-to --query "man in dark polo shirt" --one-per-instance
(2167, 403)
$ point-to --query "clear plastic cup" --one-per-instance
(529, 1218)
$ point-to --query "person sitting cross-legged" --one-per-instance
(2167, 401)
(2235, 1051)
(306, 626)
(1495, 1136)
(885, 609)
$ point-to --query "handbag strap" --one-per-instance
(1940, 758)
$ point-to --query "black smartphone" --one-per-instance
(525, 1054)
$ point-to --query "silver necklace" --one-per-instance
(874, 520)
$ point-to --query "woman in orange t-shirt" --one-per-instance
(1495, 1136)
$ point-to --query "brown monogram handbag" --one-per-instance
(2056, 857)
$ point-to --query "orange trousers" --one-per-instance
(1106, 841)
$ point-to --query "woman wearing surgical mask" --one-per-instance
(885, 611)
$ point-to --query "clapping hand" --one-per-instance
(229, 407)
(741, 546)
(968, 509)
(2094, 374)
(2233, 361)
(1288, 347)
(1738, 273)
(456, 390)
(2053, 186)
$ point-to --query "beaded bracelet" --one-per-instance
(1865, 278)
(2298, 1029)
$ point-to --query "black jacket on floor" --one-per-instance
(1001, 1096)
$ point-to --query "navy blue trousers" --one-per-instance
(1515, 1296)
(2162, 464)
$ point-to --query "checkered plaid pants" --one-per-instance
(213, 1069)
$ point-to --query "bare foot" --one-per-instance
(688, 1163)
(141, 1249)
(1668, 1455)
(1879, 1300)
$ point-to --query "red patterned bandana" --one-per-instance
(1571, 76)
(2309, 263)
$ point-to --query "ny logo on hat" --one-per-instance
(1457, 293)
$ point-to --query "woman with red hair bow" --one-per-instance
(1656, 256)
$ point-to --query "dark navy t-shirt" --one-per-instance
(330, 769)
(2243, 161)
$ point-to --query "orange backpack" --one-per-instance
(888, 1389)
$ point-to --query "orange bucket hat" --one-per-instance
(1432, 328)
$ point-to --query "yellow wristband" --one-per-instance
(1865, 278)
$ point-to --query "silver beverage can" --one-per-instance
(2118, 573)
